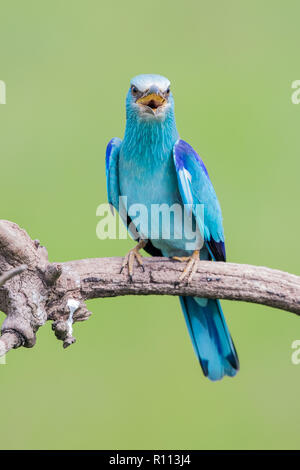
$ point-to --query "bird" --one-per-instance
(152, 166)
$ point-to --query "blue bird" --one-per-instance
(152, 166)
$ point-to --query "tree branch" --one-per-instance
(57, 291)
(13, 272)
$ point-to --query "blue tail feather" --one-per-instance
(210, 337)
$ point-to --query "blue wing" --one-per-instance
(206, 323)
(112, 173)
(113, 189)
(196, 188)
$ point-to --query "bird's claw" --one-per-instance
(128, 262)
(191, 267)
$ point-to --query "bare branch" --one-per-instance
(9, 340)
(11, 273)
(58, 291)
(216, 280)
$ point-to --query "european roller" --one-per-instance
(152, 166)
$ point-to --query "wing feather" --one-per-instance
(196, 188)
(113, 189)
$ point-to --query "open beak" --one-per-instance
(153, 101)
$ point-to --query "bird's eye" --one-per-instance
(168, 91)
(134, 90)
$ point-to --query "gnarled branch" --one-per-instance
(13, 272)
(57, 291)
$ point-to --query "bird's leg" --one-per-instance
(191, 267)
(131, 256)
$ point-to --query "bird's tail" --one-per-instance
(210, 337)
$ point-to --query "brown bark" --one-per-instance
(32, 290)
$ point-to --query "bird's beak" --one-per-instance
(153, 100)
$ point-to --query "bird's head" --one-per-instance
(149, 97)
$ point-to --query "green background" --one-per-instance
(131, 381)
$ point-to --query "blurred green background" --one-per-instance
(132, 381)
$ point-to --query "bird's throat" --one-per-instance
(150, 138)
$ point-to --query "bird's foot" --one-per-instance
(131, 256)
(191, 267)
